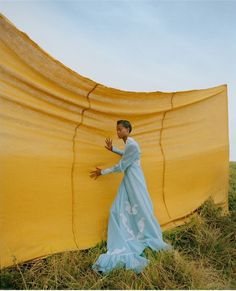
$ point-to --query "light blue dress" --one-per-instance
(132, 223)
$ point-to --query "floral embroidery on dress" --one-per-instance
(141, 226)
(131, 209)
(124, 221)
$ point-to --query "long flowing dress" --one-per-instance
(132, 223)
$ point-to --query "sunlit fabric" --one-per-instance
(53, 125)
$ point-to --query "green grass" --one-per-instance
(204, 257)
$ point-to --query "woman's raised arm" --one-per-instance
(117, 151)
(131, 153)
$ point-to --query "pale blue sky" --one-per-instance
(139, 45)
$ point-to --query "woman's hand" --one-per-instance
(109, 144)
(95, 173)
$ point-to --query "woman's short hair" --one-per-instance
(125, 123)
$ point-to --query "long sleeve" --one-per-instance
(131, 153)
(117, 151)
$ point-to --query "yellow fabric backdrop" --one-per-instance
(53, 125)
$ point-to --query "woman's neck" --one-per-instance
(125, 139)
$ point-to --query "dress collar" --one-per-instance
(129, 138)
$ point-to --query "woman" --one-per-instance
(132, 224)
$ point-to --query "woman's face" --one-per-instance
(122, 131)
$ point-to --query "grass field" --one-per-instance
(204, 257)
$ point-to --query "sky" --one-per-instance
(138, 45)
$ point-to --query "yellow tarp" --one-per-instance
(53, 127)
